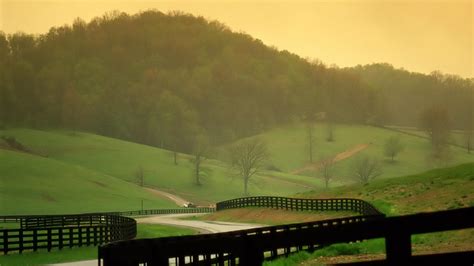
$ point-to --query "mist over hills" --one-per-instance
(161, 79)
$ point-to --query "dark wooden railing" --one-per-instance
(70, 230)
(340, 204)
(61, 231)
(167, 211)
(251, 247)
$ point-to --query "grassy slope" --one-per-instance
(121, 159)
(457, 137)
(433, 190)
(87, 253)
(437, 189)
(31, 184)
(288, 150)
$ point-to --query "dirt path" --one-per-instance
(201, 226)
(175, 198)
(339, 157)
(176, 220)
(293, 183)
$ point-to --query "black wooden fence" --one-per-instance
(69, 230)
(251, 247)
(61, 231)
(167, 211)
(340, 204)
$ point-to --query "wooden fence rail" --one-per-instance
(57, 220)
(71, 230)
(340, 204)
(251, 247)
(57, 231)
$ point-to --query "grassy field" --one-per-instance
(457, 137)
(87, 253)
(289, 151)
(437, 189)
(107, 158)
(32, 184)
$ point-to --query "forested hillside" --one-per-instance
(161, 79)
(406, 93)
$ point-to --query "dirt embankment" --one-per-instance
(339, 157)
(175, 198)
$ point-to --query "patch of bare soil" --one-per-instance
(339, 157)
(175, 198)
(343, 259)
(284, 180)
(47, 197)
(100, 184)
(271, 216)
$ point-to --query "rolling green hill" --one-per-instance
(434, 190)
(120, 159)
(31, 184)
(289, 150)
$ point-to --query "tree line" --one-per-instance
(168, 79)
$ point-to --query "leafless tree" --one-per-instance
(330, 131)
(393, 147)
(326, 170)
(311, 139)
(140, 176)
(366, 169)
(469, 140)
(435, 122)
(248, 158)
(200, 150)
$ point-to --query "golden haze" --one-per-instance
(418, 35)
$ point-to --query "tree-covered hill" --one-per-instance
(161, 79)
(406, 93)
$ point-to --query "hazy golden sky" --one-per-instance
(418, 35)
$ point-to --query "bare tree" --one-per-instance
(248, 158)
(435, 122)
(469, 140)
(330, 131)
(140, 176)
(311, 139)
(200, 150)
(366, 169)
(469, 131)
(393, 147)
(326, 170)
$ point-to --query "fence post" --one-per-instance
(88, 236)
(80, 236)
(35, 239)
(60, 238)
(20, 239)
(49, 239)
(71, 237)
(398, 247)
(5, 242)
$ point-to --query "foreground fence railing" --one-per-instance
(61, 231)
(251, 247)
(341, 204)
(167, 211)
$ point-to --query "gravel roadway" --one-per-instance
(177, 220)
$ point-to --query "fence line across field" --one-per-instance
(72, 230)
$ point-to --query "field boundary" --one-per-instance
(253, 246)
(298, 204)
(61, 231)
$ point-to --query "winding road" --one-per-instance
(203, 227)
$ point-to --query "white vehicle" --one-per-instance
(189, 205)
